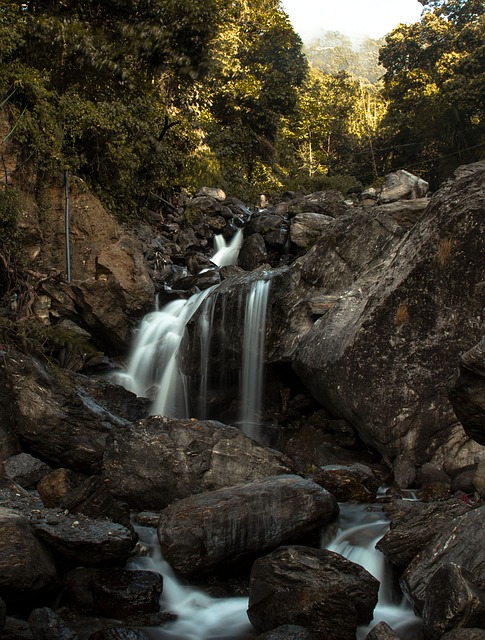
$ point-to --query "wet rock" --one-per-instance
(464, 634)
(253, 253)
(3, 615)
(451, 601)
(25, 564)
(287, 632)
(402, 185)
(262, 223)
(479, 478)
(46, 624)
(9, 444)
(382, 631)
(26, 470)
(353, 483)
(434, 484)
(460, 542)
(463, 480)
(119, 633)
(307, 228)
(404, 471)
(85, 541)
(468, 392)
(210, 529)
(78, 494)
(44, 401)
(160, 460)
(329, 595)
(383, 355)
(114, 593)
(414, 526)
(199, 282)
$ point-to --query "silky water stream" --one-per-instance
(154, 371)
(201, 617)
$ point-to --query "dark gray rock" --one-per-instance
(381, 631)
(44, 401)
(382, 357)
(307, 228)
(3, 615)
(207, 530)
(160, 460)
(329, 595)
(464, 634)
(119, 633)
(113, 593)
(25, 563)
(348, 483)
(46, 624)
(414, 525)
(402, 185)
(287, 632)
(330, 203)
(25, 470)
(460, 542)
(468, 392)
(253, 252)
(84, 541)
(451, 601)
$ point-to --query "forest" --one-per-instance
(143, 98)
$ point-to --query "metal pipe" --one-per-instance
(68, 250)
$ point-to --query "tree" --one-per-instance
(435, 82)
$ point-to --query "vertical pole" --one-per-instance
(68, 250)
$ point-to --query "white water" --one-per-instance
(253, 357)
(360, 529)
(226, 253)
(201, 617)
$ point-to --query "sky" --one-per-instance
(373, 18)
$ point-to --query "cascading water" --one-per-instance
(253, 356)
(201, 617)
(154, 368)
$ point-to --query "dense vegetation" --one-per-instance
(139, 97)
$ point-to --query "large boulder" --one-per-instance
(402, 185)
(210, 529)
(461, 542)
(314, 588)
(383, 356)
(159, 460)
(56, 417)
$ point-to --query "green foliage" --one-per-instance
(435, 82)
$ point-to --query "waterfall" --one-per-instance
(155, 366)
(226, 253)
(253, 356)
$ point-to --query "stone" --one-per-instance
(348, 483)
(464, 634)
(330, 203)
(119, 633)
(382, 631)
(383, 356)
(460, 542)
(26, 470)
(287, 632)
(79, 540)
(451, 601)
(414, 526)
(44, 401)
(468, 392)
(253, 252)
(329, 595)
(114, 593)
(46, 624)
(25, 564)
(307, 228)
(212, 192)
(402, 185)
(159, 460)
(213, 528)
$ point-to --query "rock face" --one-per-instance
(160, 460)
(315, 588)
(383, 357)
(45, 400)
(461, 542)
(468, 393)
(210, 529)
(402, 185)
